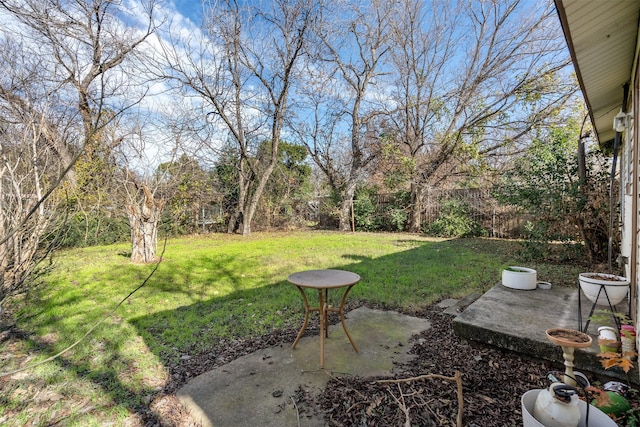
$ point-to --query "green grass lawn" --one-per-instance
(208, 289)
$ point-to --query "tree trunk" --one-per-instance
(144, 228)
(235, 225)
(345, 208)
(415, 216)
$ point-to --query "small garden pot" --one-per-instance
(628, 340)
(608, 340)
(522, 278)
(607, 333)
(617, 287)
(609, 346)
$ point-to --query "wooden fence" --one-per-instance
(497, 220)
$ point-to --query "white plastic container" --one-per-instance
(520, 278)
(597, 418)
(607, 333)
(552, 412)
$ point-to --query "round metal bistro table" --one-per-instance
(323, 280)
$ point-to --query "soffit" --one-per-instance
(602, 37)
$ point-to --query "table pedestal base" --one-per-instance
(324, 309)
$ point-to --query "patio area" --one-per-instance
(516, 320)
(261, 386)
(258, 389)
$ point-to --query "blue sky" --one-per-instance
(191, 9)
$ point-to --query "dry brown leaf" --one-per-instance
(487, 398)
(625, 364)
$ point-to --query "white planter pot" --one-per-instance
(520, 278)
(617, 287)
(597, 418)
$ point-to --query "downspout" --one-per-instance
(616, 147)
(582, 161)
(634, 219)
(582, 179)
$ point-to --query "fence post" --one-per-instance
(353, 218)
(493, 222)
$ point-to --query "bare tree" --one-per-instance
(63, 81)
(474, 79)
(143, 187)
(242, 70)
(343, 134)
(26, 165)
(144, 210)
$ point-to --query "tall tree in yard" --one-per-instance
(65, 66)
(474, 80)
(342, 130)
(243, 70)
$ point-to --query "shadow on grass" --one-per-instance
(408, 280)
(106, 390)
(202, 332)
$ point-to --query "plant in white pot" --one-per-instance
(597, 286)
(519, 278)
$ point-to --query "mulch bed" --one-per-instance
(492, 383)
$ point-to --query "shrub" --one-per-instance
(90, 230)
(544, 182)
(364, 210)
(454, 221)
(395, 219)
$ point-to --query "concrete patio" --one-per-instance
(258, 389)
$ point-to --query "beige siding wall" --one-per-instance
(631, 219)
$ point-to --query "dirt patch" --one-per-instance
(604, 277)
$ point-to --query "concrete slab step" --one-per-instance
(516, 320)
